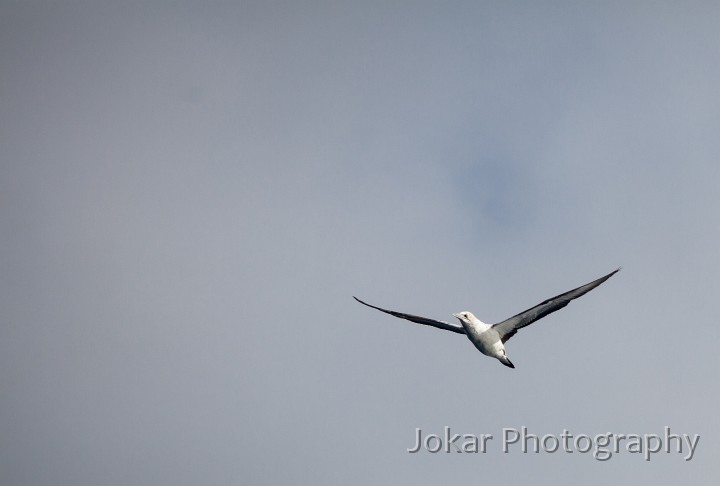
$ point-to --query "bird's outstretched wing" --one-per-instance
(509, 327)
(420, 320)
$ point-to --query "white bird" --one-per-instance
(490, 339)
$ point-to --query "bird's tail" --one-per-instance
(507, 362)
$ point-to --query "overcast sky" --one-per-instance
(192, 192)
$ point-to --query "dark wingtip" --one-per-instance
(602, 279)
(509, 363)
(363, 303)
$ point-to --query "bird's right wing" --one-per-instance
(507, 328)
(420, 320)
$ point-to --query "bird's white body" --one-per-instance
(484, 337)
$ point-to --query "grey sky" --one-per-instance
(191, 192)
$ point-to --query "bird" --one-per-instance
(490, 339)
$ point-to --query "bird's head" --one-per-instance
(466, 317)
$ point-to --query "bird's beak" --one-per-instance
(458, 316)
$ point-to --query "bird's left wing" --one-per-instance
(420, 320)
(509, 327)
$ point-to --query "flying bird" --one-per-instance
(490, 339)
